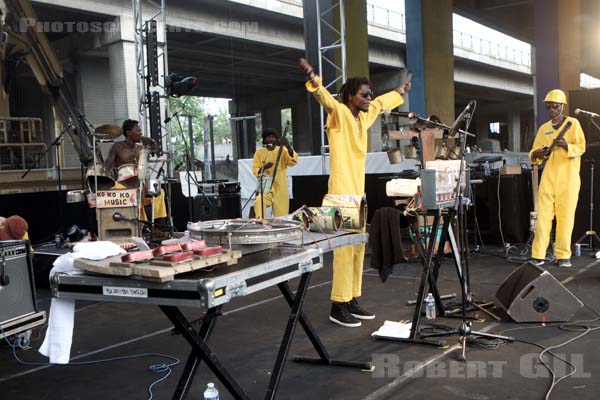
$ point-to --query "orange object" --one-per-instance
(179, 257)
(169, 248)
(193, 245)
(209, 251)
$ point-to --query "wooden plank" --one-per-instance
(153, 271)
(105, 266)
(156, 270)
(408, 134)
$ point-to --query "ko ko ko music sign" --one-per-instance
(116, 198)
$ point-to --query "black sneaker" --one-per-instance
(341, 316)
(565, 263)
(537, 262)
(359, 312)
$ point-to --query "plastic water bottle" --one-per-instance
(211, 392)
(429, 307)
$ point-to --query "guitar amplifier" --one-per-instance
(219, 186)
(18, 311)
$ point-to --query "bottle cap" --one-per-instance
(211, 385)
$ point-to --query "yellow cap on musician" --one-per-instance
(556, 96)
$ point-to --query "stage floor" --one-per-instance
(246, 339)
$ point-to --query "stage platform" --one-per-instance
(249, 332)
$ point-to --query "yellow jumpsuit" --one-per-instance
(348, 151)
(160, 206)
(559, 188)
(278, 197)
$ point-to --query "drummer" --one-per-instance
(128, 152)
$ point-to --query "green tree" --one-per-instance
(197, 107)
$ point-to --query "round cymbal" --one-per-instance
(110, 131)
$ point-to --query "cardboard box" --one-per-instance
(510, 170)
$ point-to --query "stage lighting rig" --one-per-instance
(178, 85)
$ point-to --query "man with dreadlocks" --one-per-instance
(347, 124)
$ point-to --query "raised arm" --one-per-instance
(387, 101)
(314, 86)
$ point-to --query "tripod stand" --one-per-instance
(590, 234)
(458, 243)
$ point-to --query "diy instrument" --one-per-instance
(108, 131)
(560, 135)
(285, 130)
(535, 183)
(246, 235)
(265, 182)
(76, 196)
(102, 175)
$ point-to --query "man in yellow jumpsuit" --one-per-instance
(347, 124)
(559, 187)
(265, 158)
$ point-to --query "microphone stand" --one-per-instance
(459, 248)
(259, 189)
(590, 233)
(56, 143)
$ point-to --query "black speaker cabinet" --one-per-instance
(532, 294)
(18, 311)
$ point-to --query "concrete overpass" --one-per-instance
(247, 50)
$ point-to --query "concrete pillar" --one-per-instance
(482, 127)
(313, 108)
(357, 46)
(558, 49)
(430, 57)
(514, 130)
(357, 38)
(300, 127)
(271, 118)
(123, 80)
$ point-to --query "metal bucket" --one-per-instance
(76, 196)
(410, 152)
(454, 153)
(395, 155)
(352, 207)
(441, 152)
(322, 219)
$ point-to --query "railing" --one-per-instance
(488, 48)
(394, 20)
(384, 17)
(19, 139)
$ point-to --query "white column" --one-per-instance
(514, 130)
(123, 80)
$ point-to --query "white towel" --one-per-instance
(393, 329)
(59, 336)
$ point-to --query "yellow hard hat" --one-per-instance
(556, 96)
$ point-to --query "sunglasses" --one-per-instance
(366, 94)
(552, 105)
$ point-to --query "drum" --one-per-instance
(101, 174)
(264, 185)
(126, 172)
(142, 166)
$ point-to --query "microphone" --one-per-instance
(455, 126)
(117, 217)
(409, 115)
(586, 113)
(168, 119)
